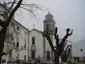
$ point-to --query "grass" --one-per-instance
(81, 62)
(74, 63)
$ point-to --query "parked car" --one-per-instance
(7, 61)
(4, 61)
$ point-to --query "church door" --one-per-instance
(33, 54)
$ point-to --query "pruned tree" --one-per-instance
(59, 48)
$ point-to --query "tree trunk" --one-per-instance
(2, 38)
(0, 58)
(56, 58)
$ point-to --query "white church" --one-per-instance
(38, 45)
(32, 44)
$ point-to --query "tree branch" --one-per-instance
(29, 11)
(12, 5)
(68, 33)
(2, 23)
(12, 13)
(56, 37)
(27, 5)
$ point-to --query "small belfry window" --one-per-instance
(33, 40)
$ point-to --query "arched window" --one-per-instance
(33, 40)
(17, 42)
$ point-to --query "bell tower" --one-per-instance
(49, 26)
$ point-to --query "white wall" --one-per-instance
(38, 42)
(14, 54)
(23, 39)
(48, 48)
(22, 54)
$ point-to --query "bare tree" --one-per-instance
(59, 48)
(5, 25)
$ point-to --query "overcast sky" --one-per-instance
(67, 14)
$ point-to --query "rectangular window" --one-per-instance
(17, 44)
(10, 53)
(33, 40)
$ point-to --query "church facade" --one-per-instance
(30, 44)
(38, 44)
